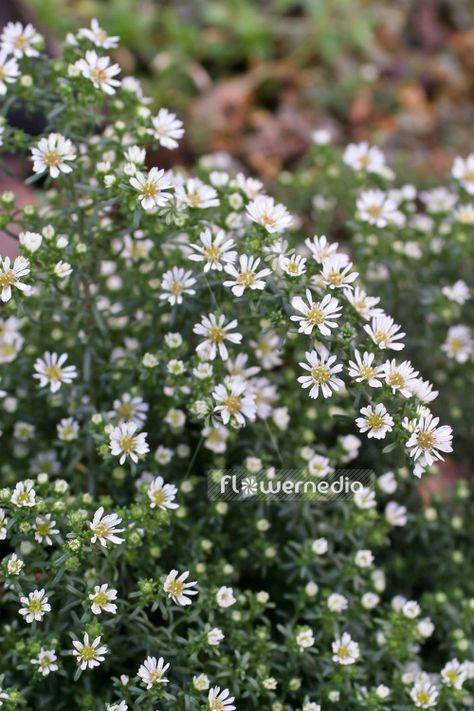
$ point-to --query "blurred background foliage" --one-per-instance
(254, 77)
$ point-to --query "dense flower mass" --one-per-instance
(161, 331)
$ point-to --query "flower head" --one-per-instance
(100, 71)
(345, 650)
(178, 589)
(11, 274)
(153, 671)
(50, 370)
(52, 154)
(35, 606)
(104, 528)
(89, 654)
(125, 442)
(322, 368)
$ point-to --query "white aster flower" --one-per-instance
(267, 347)
(321, 249)
(131, 408)
(247, 275)
(19, 40)
(463, 170)
(337, 602)
(364, 498)
(264, 211)
(336, 272)
(63, 269)
(216, 438)
(225, 597)
(152, 188)
(385, 333)
(194, 193)
(320, 546)
(424, 694)
(104, 528)
(102, 599)
(453, 674)
(369, 600)
(14, 565)
(459, 343)
(364, 304)
(201, 682)
(50, 370)
(176, 282)
(364, 558)
(411, 609)
(52, 154)
(294, 265)
(216, 331)
(124, 441)
(89, 654)
(214, 250)
(45, 528)
(3, 524)
(24, 494)
(233, 402)
(319, 314)
(423, 390)
(178, 589)
(9, 71)
(98, 36)
(11, 274)
(220, 700)
(167, 129)
(363, 369)
(67, 429)
(395, 514)
(153, 671)
(458, 292)
(100, 71)
(400, 377)
(304, 639)
(35, 606)
(46, 661)
(376, 208)
(322, 368)
(162, 495)
(361, 156)
(215, 636)
(319, 466)
(121, 706)
(345, 650)
(428, 441)
(375, 421)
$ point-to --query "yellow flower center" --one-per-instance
(159, 497)
(154, 676)
(320, 374)
(52, 157)
(101, 599)
(87, 653)
(176, 588)
(24, 497)
(456, 344)
(127, 443)
(268, 220)
(216, 705)
(381, 338)
(423, 697)
(366, 372)
(374, 210)
(98, 74)
(53, 372)
(343, 652)
(469, 176)
(176, 288)
(7, 278)
(34, 606)
(335, 278)
(426, 440)
(216, 334)
(396, 379)
(212, 253)
(21, 42)
(194, 198)
(315, 315)
(375, 421)
(43, 529)
(246, 278)
(149, 189)
(101, 530)
(233, 404)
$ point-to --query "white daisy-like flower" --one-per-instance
(215, 637)
(176, 282)
(19, 40)
(395, 514)
(453, 674)
(337, 602)
(105, 528)
(251, 187)
(363, 369)
(225, 597)
(463, 170)
(214, 250)
(320, 248)
(364, 304)
(247, 275)
(98, 36)
(102, 599)
(439, 200)
(304, 638)
(220, 700)
(9, 71)
(14, 565)
(89, 654)
(10, 275)
(459, 343)
(52, 154)
(201, 682)
(153, 671)
(152, 188)
(319, 466)
(400, 377)
(294, 265)
(178, 589)
(322, 368)
(458, 292)
(125, 441)
(45, 528)
(464, 214)
(50, 370)
(167, 129)
(215, 330)
(3, 524)
(423, 390)
(194, 193)
(428, 441)
(162, 495)
(120, 706)
(35, 606)
(267, 348)
(345, 650)
(67, 429)
(336, 272)
(364, 498)
(424, 694)
(131, 408)
(24, 494)
(376, 208)
(361, 156)
(319, 314)
(264, 211)
(100, 71)
(364, 558)
(233, 401)
(216, 438)
(369, 600)
(375, 421)
(46, 661)
(385, 333)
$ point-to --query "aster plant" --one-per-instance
(156, 327)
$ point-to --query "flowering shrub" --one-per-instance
(157, 327)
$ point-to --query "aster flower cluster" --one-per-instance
(158, 325)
